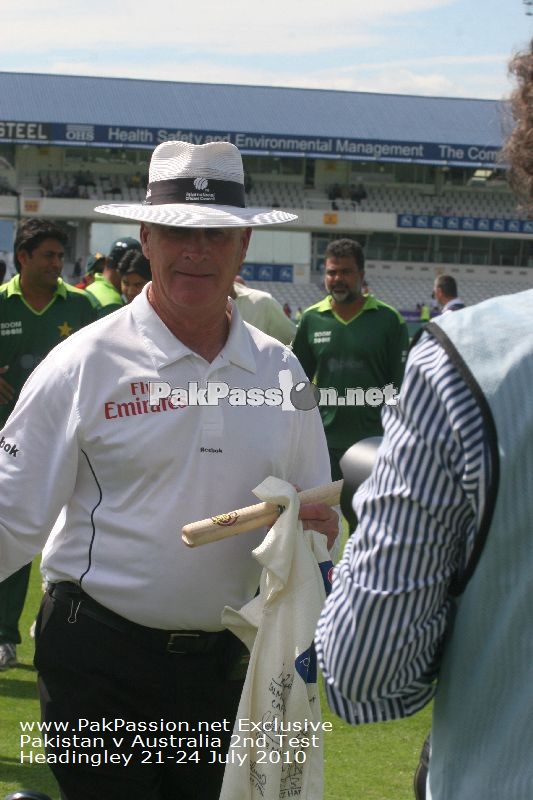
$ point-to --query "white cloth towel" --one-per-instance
(280, 694)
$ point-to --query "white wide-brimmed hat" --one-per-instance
(196, 186)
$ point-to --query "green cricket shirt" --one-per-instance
(27, 335)
(367, 351)
(108, 298)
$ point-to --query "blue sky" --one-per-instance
(447, 48)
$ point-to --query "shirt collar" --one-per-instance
(325, 305)
(451, 304)
(13, 288)
(99, 278)
(167, 349)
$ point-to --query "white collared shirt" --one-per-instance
(455, 304)
(130, 476)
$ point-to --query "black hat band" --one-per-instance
(206, 191)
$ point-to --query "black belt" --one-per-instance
(176, 642)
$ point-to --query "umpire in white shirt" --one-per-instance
(132, 658)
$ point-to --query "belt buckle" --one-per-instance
(188, 638)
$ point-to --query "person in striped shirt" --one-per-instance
(432, 597)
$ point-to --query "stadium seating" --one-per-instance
(396, 199)
(484, 201)
(404, 293)
(295, 294)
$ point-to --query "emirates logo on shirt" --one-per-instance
(136, 403)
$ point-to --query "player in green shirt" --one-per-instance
(350, 340)
(27, 335)
(37, 311)
(106, 286)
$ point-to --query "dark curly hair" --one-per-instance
(32, 231)
(346, 248)
(517, 151)
(134, 262)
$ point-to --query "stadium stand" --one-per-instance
(416, 179)
(402, 293)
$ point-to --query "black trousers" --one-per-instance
(129, 721)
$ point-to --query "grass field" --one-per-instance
(370, 762)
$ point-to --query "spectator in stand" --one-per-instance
(334, 194)
(46, 184)
(248, 183)
(357, 194)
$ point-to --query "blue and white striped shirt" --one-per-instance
(380, 633)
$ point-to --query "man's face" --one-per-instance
(131, 285)
(193, 267)
(41, 268)
(343, 279)
(437, 294)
